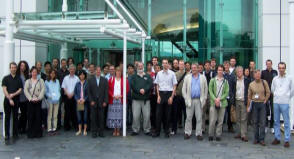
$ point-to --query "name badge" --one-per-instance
(53, 94)
(256, 96)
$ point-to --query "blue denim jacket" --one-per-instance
(52, 91)
(77, 91)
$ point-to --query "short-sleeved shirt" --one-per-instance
(166, 80)
(12, 84)
(69, 83)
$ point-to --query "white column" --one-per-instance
(125, 86)
(9, 39)
(291, 55)
(90, 55)
(63, 51)
(8, 55)
(64, 6)
(143, 50)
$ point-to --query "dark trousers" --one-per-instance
(44, 115)
(23, 119)
(180, 101)
(153, 104)
(59, 124)
(129, 112)
(8, 109)
(163, 110)
(176, 112)
(70, 114)
(259, 115)
(228, 115)
(34, 120)
(97, 119)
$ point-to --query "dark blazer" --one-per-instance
(233, 91)
(98, 94)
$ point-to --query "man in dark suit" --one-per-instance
(98, 97)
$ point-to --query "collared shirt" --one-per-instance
(12, 84)
(108, 76)
(240, 89)
(69, 83)
(195, 87)
(97, 80)
(166, 80)
(282, 89)
(232, 69)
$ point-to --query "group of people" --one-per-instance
(173, 95)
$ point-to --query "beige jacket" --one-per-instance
(186, 91)
(39, 90)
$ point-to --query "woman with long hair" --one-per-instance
(53, 96)
(23, 73)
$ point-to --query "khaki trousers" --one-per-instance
(216, 115)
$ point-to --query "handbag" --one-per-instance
(217, 107)
(233, 114)
(81, 107)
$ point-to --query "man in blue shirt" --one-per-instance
(195, 93)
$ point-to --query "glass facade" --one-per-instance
(196, 30)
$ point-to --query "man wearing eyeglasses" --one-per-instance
(282, 89)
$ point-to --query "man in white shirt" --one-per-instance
(282, 89)
(68, 85)
(166, 87)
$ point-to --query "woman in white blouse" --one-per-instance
(115, 109)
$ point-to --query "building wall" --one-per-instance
(269, 32)
(24, 50)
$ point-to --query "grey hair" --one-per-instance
(139, 62)
(239, 68)
(72, 66)
(195, 64)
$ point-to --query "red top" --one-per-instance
(111, 83)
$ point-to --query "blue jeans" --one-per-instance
(284, 110)
(84, 114)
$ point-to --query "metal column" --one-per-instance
(143, 50)
(185, 29)
(125, 85)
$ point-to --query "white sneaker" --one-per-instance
(272, 130)
(172, 133)
(49, 130)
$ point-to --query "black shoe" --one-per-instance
(15, 138)
(148, 134)
(94, 135)
(6, 141)
(167, 135)
(199, 138)
(210, 138)
(154, 135)
(218, 139)
(186, 137)
(101, 135)
(134, 133)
